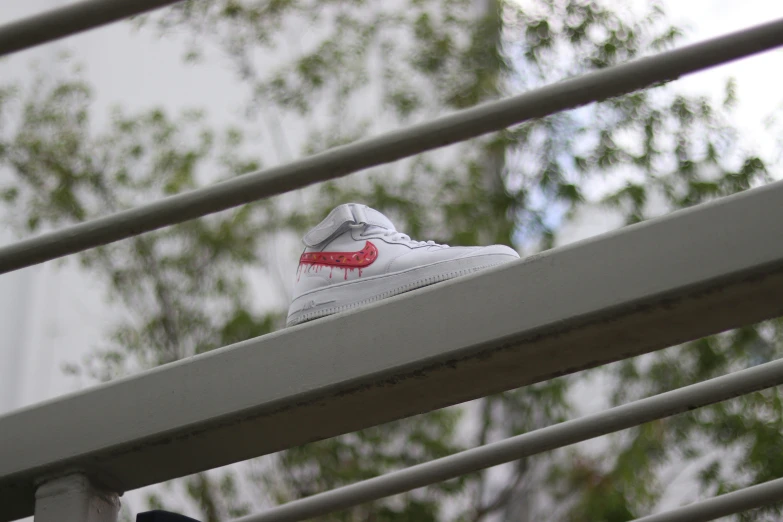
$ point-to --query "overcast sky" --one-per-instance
(51, 315)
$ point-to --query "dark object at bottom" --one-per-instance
(159, 515)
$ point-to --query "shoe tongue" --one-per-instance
(341, 218)
(375, 218)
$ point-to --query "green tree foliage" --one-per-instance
(185, 289)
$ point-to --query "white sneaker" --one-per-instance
(355, 257)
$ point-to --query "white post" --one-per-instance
(73, 498)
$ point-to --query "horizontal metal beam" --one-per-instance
(70, 19)
(642, 288)
(392, 146)
(752, 497)
(532, 443)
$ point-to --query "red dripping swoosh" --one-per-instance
(364, 257)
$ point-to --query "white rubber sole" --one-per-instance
(341, 297)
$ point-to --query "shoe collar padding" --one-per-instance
(341, 218)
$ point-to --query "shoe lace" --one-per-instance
(399, 236)
(395, 235)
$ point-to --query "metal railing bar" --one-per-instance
(70, 19)
(752, 497)
(546, 439)
(341, 161)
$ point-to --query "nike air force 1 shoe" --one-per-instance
(355, 257)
